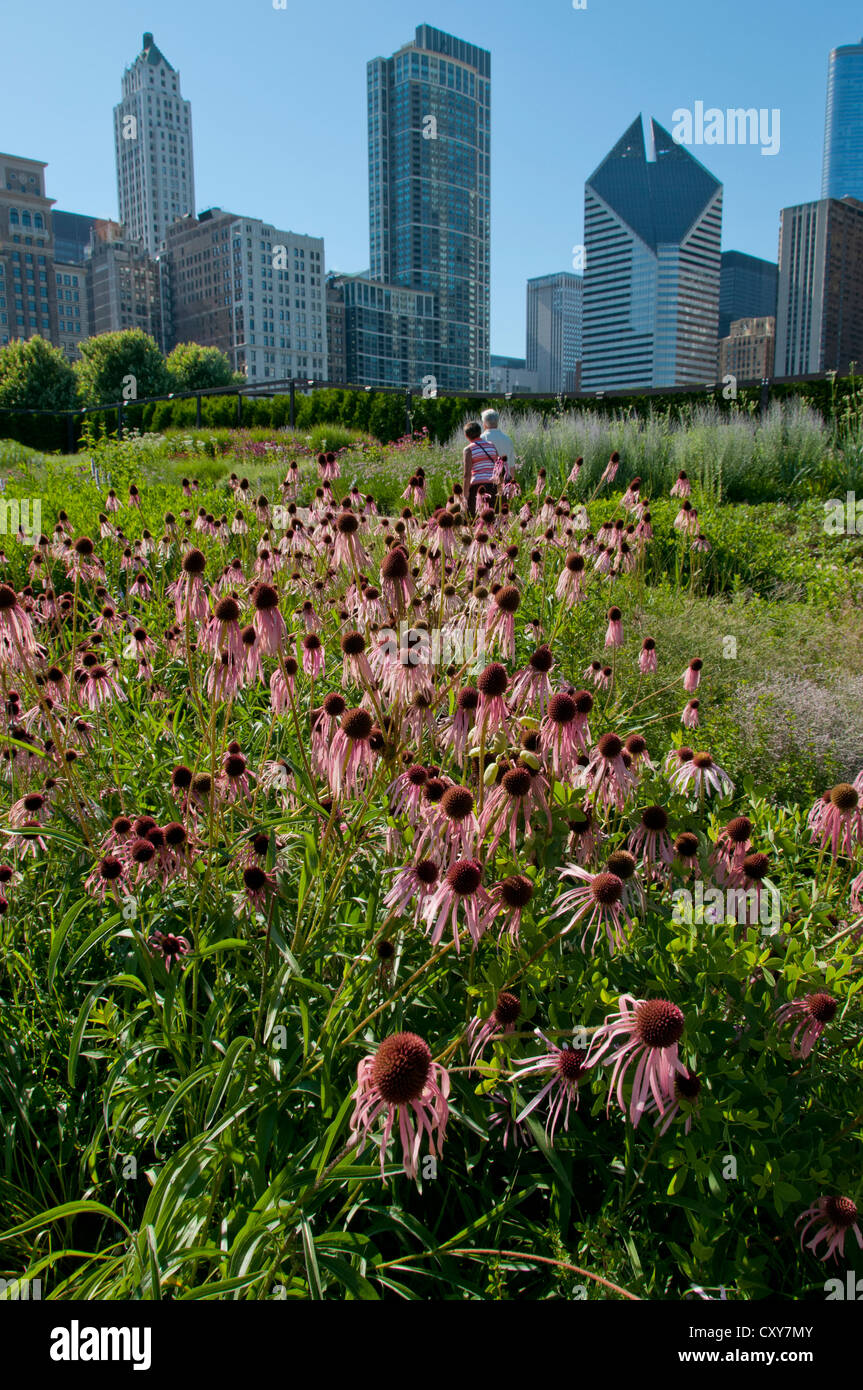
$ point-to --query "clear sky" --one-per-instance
(279, 115)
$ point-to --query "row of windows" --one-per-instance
(25, 220)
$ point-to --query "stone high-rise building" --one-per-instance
(123, 284)
(747, 352)
(28, 299)
(239, 284)
(153, 145)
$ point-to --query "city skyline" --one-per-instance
(250, 124)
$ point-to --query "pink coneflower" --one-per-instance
(314, 657)
(570, 586)
(702, 774)
(839, 823)
(732, 846)
(682, 487)
(576, 469)
(611, 468)
(223, 632)
(16, 632)
(406, 790)
(812, 1015)
(647, 657)
(458, 731)
(355, 664)
(690, 717)
(833, 1218)
(171, 948)
(98, 687)
(258, 887)
(396, 581)
(32, 809)
(492, 685)
(565, 732)
(647, 1030)
(500, 620)
(268, 622)
(606, 776)
(415, 883)
(651, 840)
(532, 685)
(348, 550)
(190, 601)
(224, 677)
(686, 1090)
(519, 789)
(235, 775)
(350, 759)
(453, 826)
(686, 519)
(686, 850)
(112, 502)
(568, 1067)
(507, 901)
(599, 898)
(461, 887)
(614, 631)
(692, 675)
(105, 878)
(402, 1082)
(501, 1020)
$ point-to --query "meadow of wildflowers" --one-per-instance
(397, 904)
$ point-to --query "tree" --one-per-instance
(195, 368)
(124, 366)
(36, 376)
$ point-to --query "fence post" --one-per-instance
(70, 432)
(239, 408)
(292, 404)
(408, 412)
(119, 419)
(197, 412)
(765, 394)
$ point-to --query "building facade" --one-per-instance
(123, 284)
(153, 148)
(747, 352)
(747, 289)
(819, 321)
(510, 375)
(336, 359)
(73, 316)
(392, 335)
(842, 170)
(73, 232)
(554, 330)
(429, 122)
(257, 293)
(28, 298)
(653, 224)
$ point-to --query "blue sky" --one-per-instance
(279, 120)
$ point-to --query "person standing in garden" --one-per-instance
(480, 459)
(493, 435)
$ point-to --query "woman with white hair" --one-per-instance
(499, 441)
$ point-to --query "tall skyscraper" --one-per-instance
(842, 172)
(429, 110)
(747, 289)
(123, 284)
(153, 145)
(554, 330)
(240, 284)
(653, 223)
(819, 320)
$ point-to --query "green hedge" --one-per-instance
(383, 415)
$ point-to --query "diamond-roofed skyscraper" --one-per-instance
(653, 224)
(429, 109)
(153, 145)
